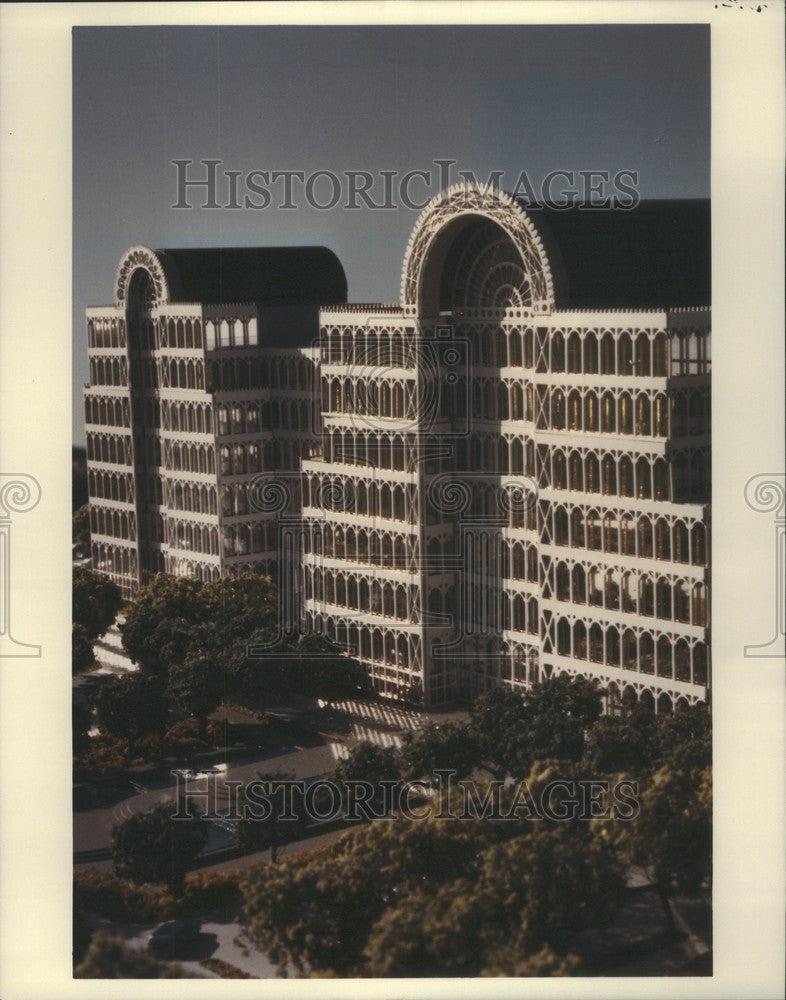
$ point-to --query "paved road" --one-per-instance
(101, 807)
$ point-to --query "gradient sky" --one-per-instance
(511, 98)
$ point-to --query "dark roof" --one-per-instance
(267, 276)
(654, 256)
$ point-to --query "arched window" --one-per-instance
(579, 584)
(643, 479)
(642, 354)
(609, 475)
(574, 353)
(558, 352)
(624, 355)
(607, 354)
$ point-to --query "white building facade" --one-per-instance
(503, 477)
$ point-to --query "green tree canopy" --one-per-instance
(197, 685)
(449, 745)
(277, 820)
(623, 743)
(96, 601)
(548, 721)
(132, 705)
(160, 625)
(370, 763)
(672, 836)
(82, 653)
(447, 897)
(529, 893)
(685, 736)
(156, 847)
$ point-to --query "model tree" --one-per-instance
(157, 847)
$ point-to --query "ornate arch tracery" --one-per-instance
(495, 271)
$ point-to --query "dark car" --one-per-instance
(169, 937)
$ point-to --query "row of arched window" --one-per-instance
(168, 332)
(110, 485)
(645, 594)
(636, 649)
(248, 539)
(188, 418)
(114, 523)
(357, 593)
(193, 497)
(377, 548)
(583, 471)
(251, 418)
(612, 412)
(232, 375)
(117, 561)
(108, 371)
(374, 449)
(370, 644)
(240, 459)
(112, 448)
(107, 411)
(183, 374)
(238, 499)
(359, 346)
(389, 398)
(668, 538)
(520, 614)
(587, 352)
(193, 537)
(289, 371)
(368, 499)
(182, 457)
(260, 373)
(206, 572)
(106, 333)
(522, 562)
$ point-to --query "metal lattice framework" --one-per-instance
(524, 272)
(134, 258)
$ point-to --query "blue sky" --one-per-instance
(508, 98)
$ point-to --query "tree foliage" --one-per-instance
(271, 818)
(627, 742)
(82, 653)
(446, 897)
(96, 601)
(673, 834)
(80, 526)
(478, 897)
(155, 847)
(548, 721)
(197, 685)
(222, 636)
(449, 746)
(161, 625)
(132, 705)
(370, 763)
